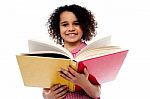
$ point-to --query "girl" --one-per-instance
(71, 26)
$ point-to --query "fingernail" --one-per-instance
(59, 84)
(59, 69)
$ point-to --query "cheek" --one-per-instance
(81, 36)
(61, 33)
(81, 32)
(80, 29)
(62, 30)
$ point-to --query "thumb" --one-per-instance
(86, 72)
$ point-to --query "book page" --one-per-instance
(97, 44)
(93, 53)
(53, 54)
(45, 46)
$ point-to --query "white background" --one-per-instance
(128, 21)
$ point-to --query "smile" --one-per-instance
(71, 34)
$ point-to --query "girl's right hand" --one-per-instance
(56, 92)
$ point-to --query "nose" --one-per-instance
(71, 28)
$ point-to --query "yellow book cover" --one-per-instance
(43, 71)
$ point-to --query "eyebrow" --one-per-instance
(63, 22)
(67, 22)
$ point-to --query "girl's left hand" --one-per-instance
(75, 77)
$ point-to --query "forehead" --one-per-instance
(68, 16)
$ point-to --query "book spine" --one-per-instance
(74, 64)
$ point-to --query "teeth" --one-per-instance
(71, 34)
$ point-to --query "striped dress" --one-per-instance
(81, 94)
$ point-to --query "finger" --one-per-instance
(86, 72)
(62, 97)
(55, 87)
(60, 89)
(65, 76)
(73, 72)
(66, 73)
(46, 89)
(63, 91)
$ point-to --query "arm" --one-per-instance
(82, 81)
(92, 90)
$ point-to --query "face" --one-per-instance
(70, 29)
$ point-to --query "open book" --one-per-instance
(39, 67)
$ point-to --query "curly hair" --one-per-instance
(84, 17)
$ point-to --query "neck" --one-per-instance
(71, 46)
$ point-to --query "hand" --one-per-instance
(75, 77)
(56, 92)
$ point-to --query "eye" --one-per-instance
(76, 23)
(64, 24)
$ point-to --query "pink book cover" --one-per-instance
(104, 68)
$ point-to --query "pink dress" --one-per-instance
(79, 94)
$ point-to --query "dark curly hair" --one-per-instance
(84, 16)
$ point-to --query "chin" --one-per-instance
(73, 41)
